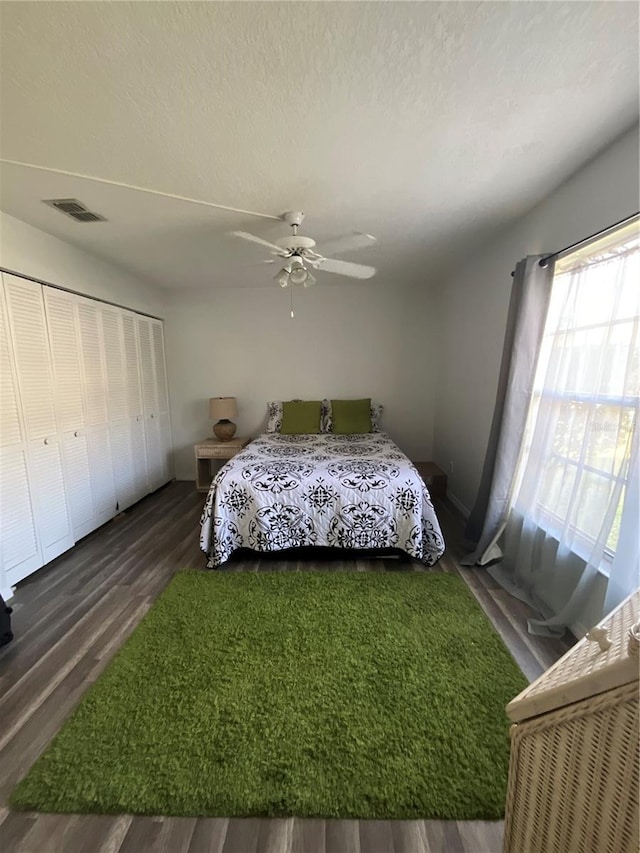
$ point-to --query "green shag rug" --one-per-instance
(330, 694)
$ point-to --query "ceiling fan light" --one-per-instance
(283, 278)
(310, 280)
(298, 275)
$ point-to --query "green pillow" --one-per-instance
(351, 416)
(300, 417)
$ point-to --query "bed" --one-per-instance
(356, 492)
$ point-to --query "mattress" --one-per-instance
(341, 491)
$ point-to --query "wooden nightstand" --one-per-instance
(211, 448)
(434, 478)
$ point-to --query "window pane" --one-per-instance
(612, 541)
(590, 361)
(591, 434)
(591, 502)
(607, 289)
(630, 289)
(557, 486)
(570, 426)
(608, 441)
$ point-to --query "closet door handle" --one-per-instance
(76, 433)
(153, 416)
(47, 441)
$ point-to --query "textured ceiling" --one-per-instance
(427, 124)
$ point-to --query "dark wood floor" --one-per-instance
(71, 617)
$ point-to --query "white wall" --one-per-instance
(472, 304)
(27, 250)
(347, 340)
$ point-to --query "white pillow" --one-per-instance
(274, 416)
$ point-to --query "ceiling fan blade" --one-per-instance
(246, 236)
(348, 243)
(345, 268)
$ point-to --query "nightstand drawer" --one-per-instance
(216, 452)
(210, 449)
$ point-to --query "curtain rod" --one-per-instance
(602, 233)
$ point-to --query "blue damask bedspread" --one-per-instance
(343, 491)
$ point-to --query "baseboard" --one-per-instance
(458, 504)
(6, 592)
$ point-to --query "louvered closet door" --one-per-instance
(135, 408)
(65, 356)
(147, 374)
(27, 323)
(19, 550)
(119, 426)
(162, 396)
(153, 437)
(96, 410)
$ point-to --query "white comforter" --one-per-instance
(343, 491)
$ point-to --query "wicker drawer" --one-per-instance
(573, 778)
(574, 768)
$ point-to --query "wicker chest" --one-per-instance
(573, 775)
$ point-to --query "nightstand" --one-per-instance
(211, 448)
(434, 478)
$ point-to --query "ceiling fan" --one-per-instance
(299, 253)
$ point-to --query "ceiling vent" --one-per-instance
(75, 209)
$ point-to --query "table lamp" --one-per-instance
(221, 410)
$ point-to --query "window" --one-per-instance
(576, 460)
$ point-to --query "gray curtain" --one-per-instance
(579, 482)
(528, 306)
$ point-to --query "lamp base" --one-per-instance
(224, 430)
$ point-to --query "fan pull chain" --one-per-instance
(291, 301)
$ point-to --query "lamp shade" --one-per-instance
(222, 408)
(298, 275)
